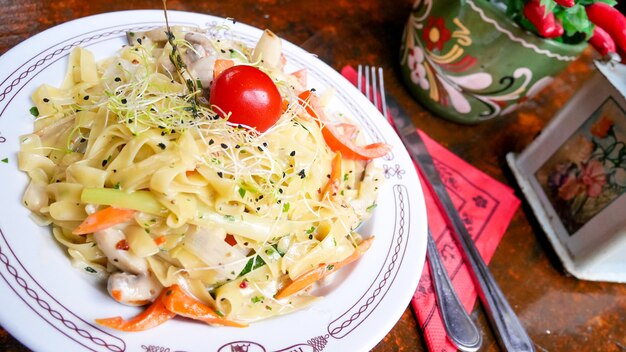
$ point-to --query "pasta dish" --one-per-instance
(198, 177)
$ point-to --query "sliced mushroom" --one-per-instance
(134, 290)
(108, 240)
(202, 70)
(195, 38)
(158, 35)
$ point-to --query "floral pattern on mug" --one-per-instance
(418, 71)
(435, 33)
(436, 55)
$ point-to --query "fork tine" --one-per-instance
(359, 82)
(367, 83)
(374, 88)
(381, 80)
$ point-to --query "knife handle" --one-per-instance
(509, 330)
(459, 326)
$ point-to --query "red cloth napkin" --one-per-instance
(486, 207)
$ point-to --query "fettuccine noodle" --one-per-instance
(229, 214)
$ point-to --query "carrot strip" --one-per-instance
(103, 219)
(309, 102)
(179, 302)
(221, 65)
(156, 314)
(308, 278)
(332, 187)
(117, 295)
(336, 138)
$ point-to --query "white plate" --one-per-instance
(50, 306)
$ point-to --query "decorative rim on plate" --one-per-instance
(384, 294)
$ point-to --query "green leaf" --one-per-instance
(574, 19)
(5, 160)
(549, 4)
(34, 111)
(610, 2)
(252, 264)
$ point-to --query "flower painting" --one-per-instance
(588, 171)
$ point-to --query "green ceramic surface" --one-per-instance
(468, 62)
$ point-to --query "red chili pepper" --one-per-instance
(611, 20)
(602, 41)
(546, 24)
(122, 245)
(565, 3)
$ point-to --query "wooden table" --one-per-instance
(560, 313)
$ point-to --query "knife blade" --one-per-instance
(510, 332)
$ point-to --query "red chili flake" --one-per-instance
(243, 284)
(160, 240)
(135, 61)
(230, 239)
(122, 245)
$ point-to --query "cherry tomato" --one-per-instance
(249, 95)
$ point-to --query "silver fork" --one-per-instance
(459, 326)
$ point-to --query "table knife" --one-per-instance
(509, 330)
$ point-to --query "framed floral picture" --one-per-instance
(574, 177)
(588, 172)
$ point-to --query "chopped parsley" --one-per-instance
(371, 207)
(90, 270)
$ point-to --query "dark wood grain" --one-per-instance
(560, 313)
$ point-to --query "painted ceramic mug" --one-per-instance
(466, 61)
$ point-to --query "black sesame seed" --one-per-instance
(302, 173)
(86, 97)
(45, 100)
(161, 145)
(237, 146)
(211, 141)
(224, 145)
(117, 79)
(139, 40)
(124, 101)
(310, 237)
(260, 148)
(220, 174)
(293, 153)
